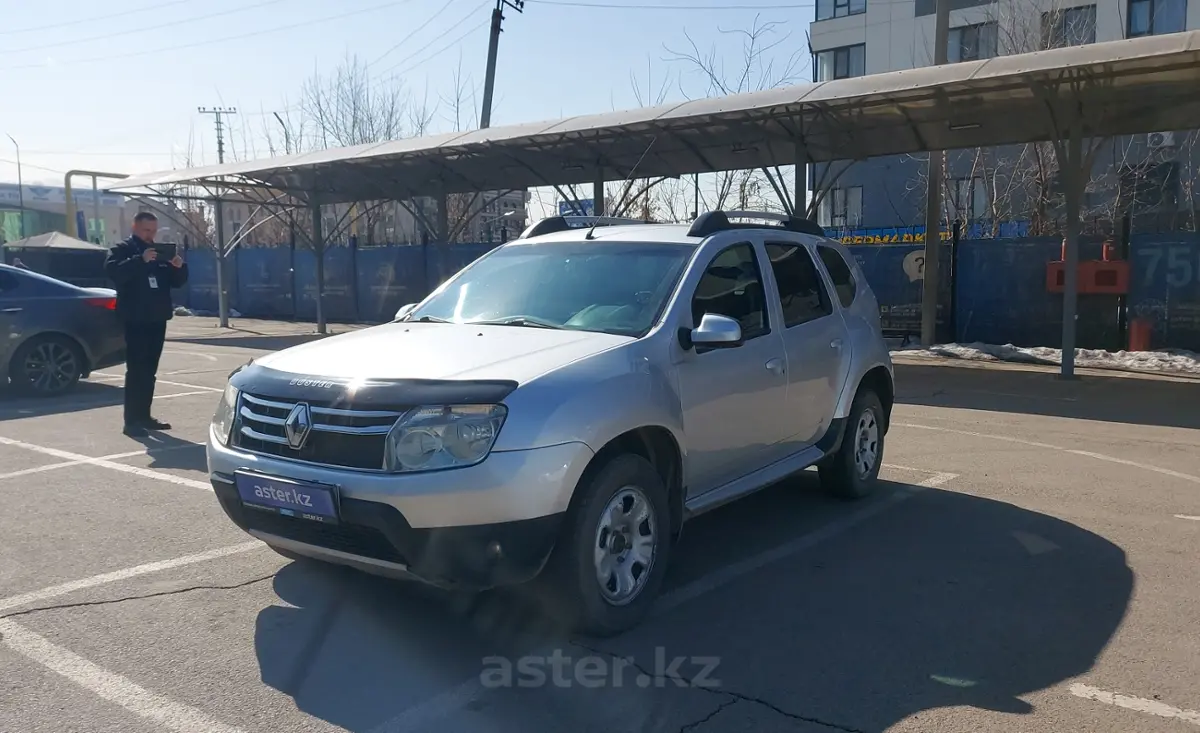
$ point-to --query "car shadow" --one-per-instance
(1117, 399)
(945, 599)
(87, 395)
(167, 451)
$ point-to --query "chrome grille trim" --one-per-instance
(260, 429)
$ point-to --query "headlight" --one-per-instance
(222, 422)
(433, 437)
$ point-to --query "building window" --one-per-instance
(1069, 27)
(827, 9)
(841, 208)
(970, 199)
(1155, 17)
(972, 43)
(841, 63)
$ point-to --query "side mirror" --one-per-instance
(717, 332)
(404, 311)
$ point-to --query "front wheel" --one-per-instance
(852, 472)
(611, 559)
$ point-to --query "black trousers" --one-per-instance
(143, 348)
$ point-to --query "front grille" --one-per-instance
(353, 539)
(339, 437)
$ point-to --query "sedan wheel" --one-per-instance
(46, 367)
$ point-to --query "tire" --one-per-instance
(853, 471)
(46, 366)
(624, 488)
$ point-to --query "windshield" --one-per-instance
(588, 286)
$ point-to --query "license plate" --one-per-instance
(315, 502)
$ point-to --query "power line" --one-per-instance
(210, 41)
(32, 165)
(615, 6)
(90, 19)
(441, 50)
(86, 153)
(141, 29)
(435, 39)
(413, 32)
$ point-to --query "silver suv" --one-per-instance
(562, 406)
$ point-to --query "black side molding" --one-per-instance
(831, 441)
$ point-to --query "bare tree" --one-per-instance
(767, 60)
(1022, 182)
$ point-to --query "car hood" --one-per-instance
(442, 351)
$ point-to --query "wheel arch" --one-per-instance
(80, 350)
(879, 380)
(657, 445)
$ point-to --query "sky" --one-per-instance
(115, 85)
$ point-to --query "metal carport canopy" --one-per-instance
(1120, 87)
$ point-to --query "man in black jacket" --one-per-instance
(144, 302)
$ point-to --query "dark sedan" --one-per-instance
(54, 333)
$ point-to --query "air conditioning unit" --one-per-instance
(1156, 140)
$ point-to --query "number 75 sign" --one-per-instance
(1180, 264)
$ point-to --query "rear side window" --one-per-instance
(8, 282)
(801, 291)
(732, 286)
(840, 273)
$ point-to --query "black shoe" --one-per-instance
(134, 431)
(155, 424)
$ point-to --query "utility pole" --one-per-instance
(933, 206)
(489, 82)
(219, 114)
(20, 185)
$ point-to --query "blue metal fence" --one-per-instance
(999, 293)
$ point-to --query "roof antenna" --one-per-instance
(627, 179)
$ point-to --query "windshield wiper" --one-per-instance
(518, 321)
(432, 319)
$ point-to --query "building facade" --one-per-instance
(1153, 173)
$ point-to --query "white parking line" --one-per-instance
(105, 463)
(427, 714)
(62, 589)
(1139, 704)
(1048, 446)
(202, 387)
(1186, 516)
(201, 354)
(108, 685)
(110, 457)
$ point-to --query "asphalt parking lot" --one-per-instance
(1029, 565)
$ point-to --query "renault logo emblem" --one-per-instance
(298, 425)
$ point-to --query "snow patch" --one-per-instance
(182, 311)
(1176, 361)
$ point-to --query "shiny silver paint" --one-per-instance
(741, 417)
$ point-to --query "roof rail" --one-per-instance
(712, 222)
(553, 224)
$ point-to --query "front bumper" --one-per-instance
(472, 528)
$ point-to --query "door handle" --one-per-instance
(836, 344)
(12, 310)
(775, 366)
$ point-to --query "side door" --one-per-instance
(814, 339)
(731, 397)
(13, 315)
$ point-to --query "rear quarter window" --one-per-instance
(841, 274)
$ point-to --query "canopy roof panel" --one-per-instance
(1121, 87)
